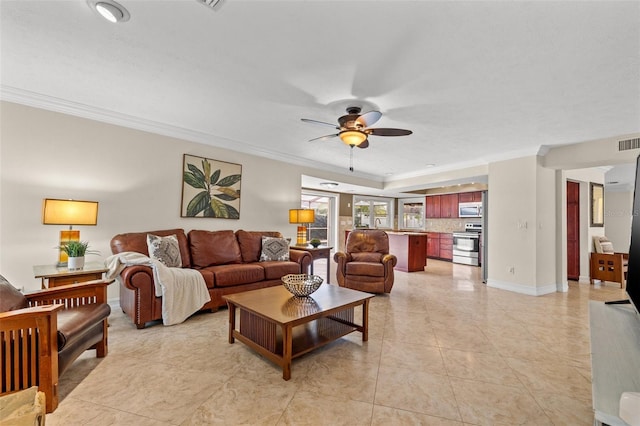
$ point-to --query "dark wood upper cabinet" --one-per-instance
(470, 197)
(432, 209)
(449, 205)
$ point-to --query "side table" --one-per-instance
(320, 252)
(53, 276)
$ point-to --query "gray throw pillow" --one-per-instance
(165, 250)
(274, 249)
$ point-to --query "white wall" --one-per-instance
(511, 242)
(522, 237)
(618, 207)
(545, 228)
(136, 176)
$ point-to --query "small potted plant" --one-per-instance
(315, 242)
(76, 250)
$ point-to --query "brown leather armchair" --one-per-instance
(42, 333)
(366, 265)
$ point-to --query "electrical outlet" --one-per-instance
(512, 270)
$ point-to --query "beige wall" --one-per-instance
(522, 226)
(136, 177)
(617, 219)
(512, 211)
(545, 228)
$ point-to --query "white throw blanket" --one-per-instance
(183, 291)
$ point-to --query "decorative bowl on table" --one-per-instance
(315, 242)
(301, 285)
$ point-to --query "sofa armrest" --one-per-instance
(341, 258)
(389, 259)
(26, 330)
(71, 294)
(137, 277)
(301, 257)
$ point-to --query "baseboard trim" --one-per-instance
(522, 289)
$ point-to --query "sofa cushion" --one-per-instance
(137, 241)
(274, 249)
(276, 270)
(210, 248)
(74, 322)
(251, 243)
(365, 268)
(10, 297)
(164, 250)
(209, 278)
(236, 274)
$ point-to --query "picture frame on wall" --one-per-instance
(210, 188)
(596, 194)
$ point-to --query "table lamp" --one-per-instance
(68, 212)
(302, 217)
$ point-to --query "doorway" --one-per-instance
(573, 230)
(325, 226)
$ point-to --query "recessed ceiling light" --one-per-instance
(110, 10)
(329, 185)
(430, 165)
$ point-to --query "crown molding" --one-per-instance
(51, 103)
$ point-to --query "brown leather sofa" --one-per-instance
(366, 264)
(43, 332)
(228, 261)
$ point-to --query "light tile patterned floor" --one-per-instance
(444, 350)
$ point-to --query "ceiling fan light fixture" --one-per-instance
(353, 137)
(110, 10)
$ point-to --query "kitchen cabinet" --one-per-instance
(446, 246)
(433, 244)
(433, 206)
(470, 197)
(440, 245)
(449, 205)
(411, 250)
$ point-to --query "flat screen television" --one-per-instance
(633, 270)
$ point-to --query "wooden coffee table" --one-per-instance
(281, 327)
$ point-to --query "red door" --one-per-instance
(573, 230)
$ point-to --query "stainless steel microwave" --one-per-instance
(470, 209)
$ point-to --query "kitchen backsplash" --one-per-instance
(448, 225)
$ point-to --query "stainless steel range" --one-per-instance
(466, 245)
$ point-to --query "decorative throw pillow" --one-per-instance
(274, 249)
(165, 250)
(607, 247)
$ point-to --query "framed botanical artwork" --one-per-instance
(210, 188)
(596, 193)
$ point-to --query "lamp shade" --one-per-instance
(69, 212)
(302, 216)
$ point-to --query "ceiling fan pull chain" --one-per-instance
(351, 159)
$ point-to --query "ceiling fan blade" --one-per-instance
(364, 144)
(325, 137)
(368, 118)
(388, 132)
(322, 123)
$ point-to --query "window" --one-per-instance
(372, 212)
(411, 213)
(324, 206)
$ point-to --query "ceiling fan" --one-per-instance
(354, 128)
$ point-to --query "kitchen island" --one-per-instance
(410, 248)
